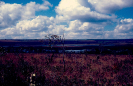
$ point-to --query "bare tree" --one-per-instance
(53, 40)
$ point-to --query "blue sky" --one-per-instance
(77, 19)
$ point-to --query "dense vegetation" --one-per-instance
(81, 69)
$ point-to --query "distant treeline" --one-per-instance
(121, 49)
(42, 42)
(92, 46)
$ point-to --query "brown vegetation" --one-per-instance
(80, 69)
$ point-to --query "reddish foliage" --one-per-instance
(86, 69)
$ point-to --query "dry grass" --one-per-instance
(75, 64)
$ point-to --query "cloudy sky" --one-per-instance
(77, 19)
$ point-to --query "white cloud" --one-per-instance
(110, 6)
(124, 29)
(38, 23)
(72, 9)
(77, 25)
(80, 19)
(43, 25)
(74, 25)
(30, 8)
(125, 26)
(80, 30)
(109, 35)
(12, 13)
(9, 14)
(37, 27)
(60, 19)
(89, 17)
(126, 21)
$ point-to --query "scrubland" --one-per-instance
(80, 69)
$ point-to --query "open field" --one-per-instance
(80, 69)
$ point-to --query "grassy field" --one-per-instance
(80, 69)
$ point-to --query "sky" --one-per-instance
(76, 19)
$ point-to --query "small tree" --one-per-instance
(52, 39)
